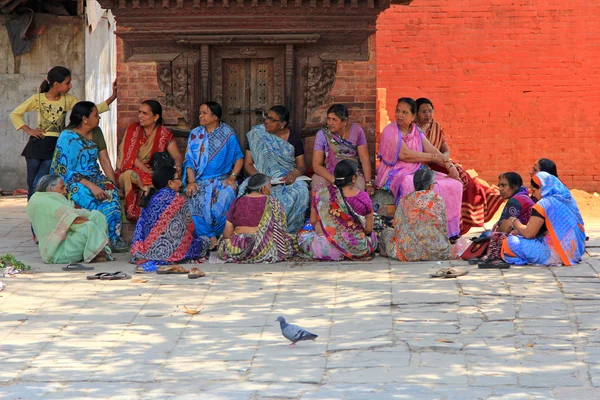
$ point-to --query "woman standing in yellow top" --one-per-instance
(52, 104)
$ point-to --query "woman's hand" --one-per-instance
(453, 173)
(36, 133)
(291, 177)
(114, 88)
(192, 189)
(230, 181)
(370, 189)
(98, 193)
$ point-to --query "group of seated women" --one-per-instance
(265, 219)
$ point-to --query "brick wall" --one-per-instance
(511, 80)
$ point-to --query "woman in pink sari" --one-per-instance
(403, 149)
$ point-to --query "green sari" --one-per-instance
(60, 240)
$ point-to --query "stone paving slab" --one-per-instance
(386, 330)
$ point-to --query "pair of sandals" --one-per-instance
(109, 276)
(149, 267)
(451, 272)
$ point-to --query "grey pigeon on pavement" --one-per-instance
(294, 333)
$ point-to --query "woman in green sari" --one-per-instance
(65, 234)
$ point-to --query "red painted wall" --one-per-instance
(511, 80)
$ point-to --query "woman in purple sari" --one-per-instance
(403, 149)
(340, 140)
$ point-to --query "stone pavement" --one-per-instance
(386, 331)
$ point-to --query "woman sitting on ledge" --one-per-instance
(420, 231)
(143, 139)
(65, 234)
(340, 140)
(480, 201)
(212, 162)
(404, 149)
(165, 231)
(79, 149)
(544, 165)
(256, 227)
(554, 234)
(276, 151)
(342, 217)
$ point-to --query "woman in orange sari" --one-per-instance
(480, 201)
(141, 141)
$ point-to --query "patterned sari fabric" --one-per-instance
(343, 236)
(397, 176)
(480, 201)
(211, 156)
(564, 242)
(339, 149)
(271, 243)
(76, 158)
(60, 240)
(420, 232)
(136, 145)
(165, 232)
(274, 157)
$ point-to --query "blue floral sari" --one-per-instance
(274, 157)
(76, 158)
(211, 156)
(564, 242)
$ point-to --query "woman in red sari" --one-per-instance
(480, 201)
(141, 141)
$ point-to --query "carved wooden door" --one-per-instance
(247, 93)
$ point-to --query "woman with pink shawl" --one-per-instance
(403, 149)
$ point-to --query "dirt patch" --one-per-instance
(588, 203)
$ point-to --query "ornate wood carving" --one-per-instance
(321, 78)
(204, 64)
(289, 73)
(177, 80)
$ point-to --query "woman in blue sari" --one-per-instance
(276, 151)
(213, 160)
(78, 150)
(554, 234)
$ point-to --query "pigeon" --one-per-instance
(294, 333)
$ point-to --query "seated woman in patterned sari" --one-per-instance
(420, 231)
(78, 149)
(340, 140)
(142, 139)
(256, 228)
(212, 162)
(342, 217)
(276, 151)
(480, 201)
(404, 149)
(66, 234)
(554, 234)
(519, 206)
(165, 232)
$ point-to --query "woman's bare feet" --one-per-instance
(213, 243)
(35, 239)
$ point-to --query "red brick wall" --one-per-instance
(511, 80)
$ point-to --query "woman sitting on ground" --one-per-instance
(342, 217)
(79, 148)
(212, 162)
(340, 140)
(256, 227)
(165, 231)
(142, 139)
(519, 206)
(554, 234)
(65, 234)
(404, 149)
(420, 231)
(480, 201)
(276, 151)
